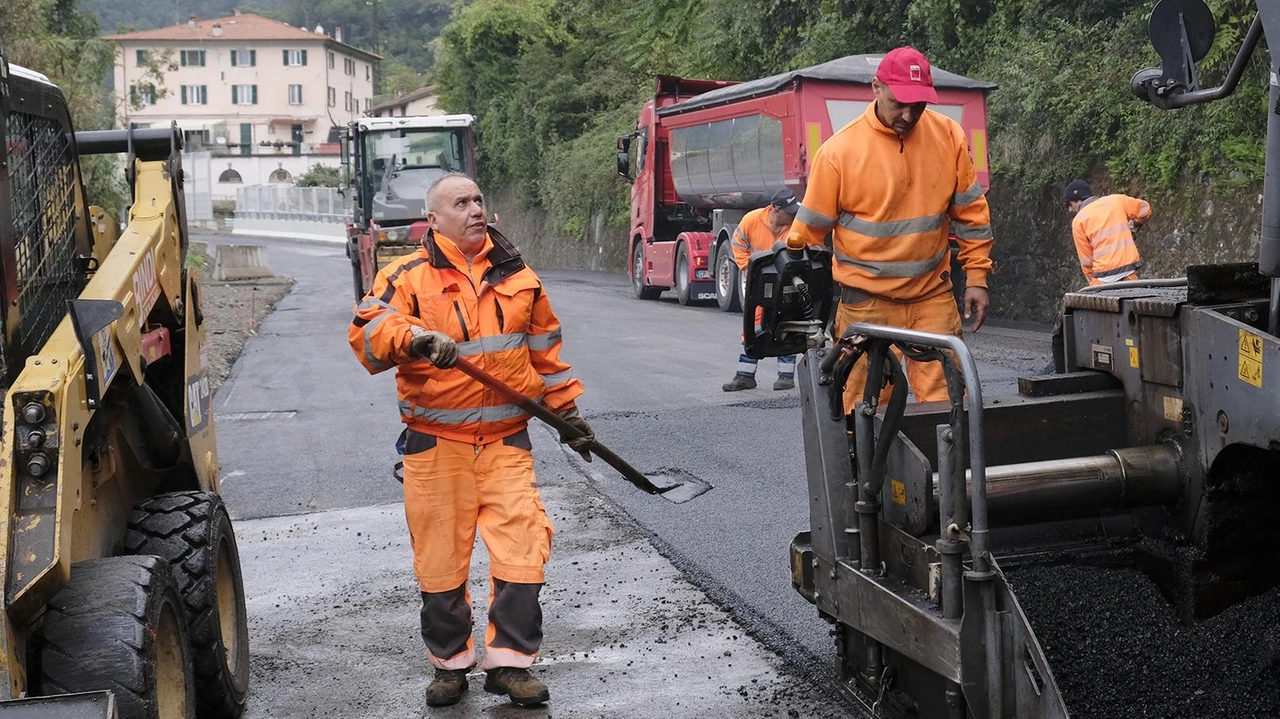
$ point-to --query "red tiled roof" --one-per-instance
(246, 26)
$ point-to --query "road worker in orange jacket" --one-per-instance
(468, 462)
(758, 231)
(891, 186)
(1103, 232)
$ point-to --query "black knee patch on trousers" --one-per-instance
(516, 616)
(446, 622)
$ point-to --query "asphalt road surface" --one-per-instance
(303, 429)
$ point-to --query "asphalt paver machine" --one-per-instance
(1158, 449)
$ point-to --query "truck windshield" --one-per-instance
(398, 166)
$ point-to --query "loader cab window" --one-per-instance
(638, 147)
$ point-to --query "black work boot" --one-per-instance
(446, 687)
(518, 684)
(740, 382)
(784, 382)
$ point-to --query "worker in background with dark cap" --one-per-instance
(891, 186)
(758, 231)
(1103, 232)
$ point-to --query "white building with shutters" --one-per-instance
(266, 98)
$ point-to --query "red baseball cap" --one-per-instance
(907, 73)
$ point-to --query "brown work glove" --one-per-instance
(437, 348)
(582, 444)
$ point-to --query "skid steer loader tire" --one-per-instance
(193, 532)
(117, 625)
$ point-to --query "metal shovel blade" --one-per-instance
(678, 486)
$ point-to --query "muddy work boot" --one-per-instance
(784, 383)
(740, 382)
(519, 685)
(447, 687)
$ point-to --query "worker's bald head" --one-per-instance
(455, 208)
(447, 183)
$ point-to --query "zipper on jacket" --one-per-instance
(466, 336)
(497, 307)
(901, 145)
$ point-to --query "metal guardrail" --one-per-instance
(309, 204)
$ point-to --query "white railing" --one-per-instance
(283, 202)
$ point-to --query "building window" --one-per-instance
(244, 94)
(195, 95)
(368, 72)
(244, 58)
(280, 175)
(368, 104)
(230, 175)
(142, 95)
(333, 97)
(142, 57)
(192, 58)
(348, 66)
(346, 101)
(295, 58)
(331, 61)
(295, 94)
(195, 139)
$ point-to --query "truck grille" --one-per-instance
(43, 179)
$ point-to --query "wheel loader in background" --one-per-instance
(122, 587)
(1102, 544)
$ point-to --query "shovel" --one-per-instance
(692, 487)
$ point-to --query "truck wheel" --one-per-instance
(117, 625)
(643, 291)
(193, 532)
(727, 295)
(683, 294)
(357, 280)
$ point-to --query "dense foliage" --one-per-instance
(554, 82)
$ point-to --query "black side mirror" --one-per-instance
(624, 165)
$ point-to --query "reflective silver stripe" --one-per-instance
(895, 269)
(815, 219)
(542, 343)
(1119, 273)
(1108, 251)
(495, 343)
(1110, 232)
(370, 303)
(1086, 264)
(891, 228)
(405, 407)
(967, 232)
(495, 413)
(369, 356)
(742, 245)
(557, 378)
(968, 197)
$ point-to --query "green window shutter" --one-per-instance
(184, 94)
(142, 56)
(253, 58)
(286, 57)
(202, 58)
(233, 59)
(304, 57)
(182, 57)
(255, 95)
(133, 94)
(235, 94)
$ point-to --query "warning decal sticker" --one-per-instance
(1251, 358)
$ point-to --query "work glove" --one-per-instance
(582, 444)
(437, 348)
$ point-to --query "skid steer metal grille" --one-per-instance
(42, 177)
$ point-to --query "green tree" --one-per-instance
(320, 176)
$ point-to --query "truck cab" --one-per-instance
(389, 163)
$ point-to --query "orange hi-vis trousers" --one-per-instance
(450, 489)
(937, 314)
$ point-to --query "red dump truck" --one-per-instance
(704, 152)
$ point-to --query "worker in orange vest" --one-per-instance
(891, 186)
(468, 462)
(1103, 232)
(758, 231)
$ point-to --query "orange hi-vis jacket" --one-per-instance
(754, 235)
(1103, 239)
(495, 309)
(892, 202)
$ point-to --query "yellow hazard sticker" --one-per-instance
(1133, 357)
(899, 491)
(1251, 358)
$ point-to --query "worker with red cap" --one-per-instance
(891, 186)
